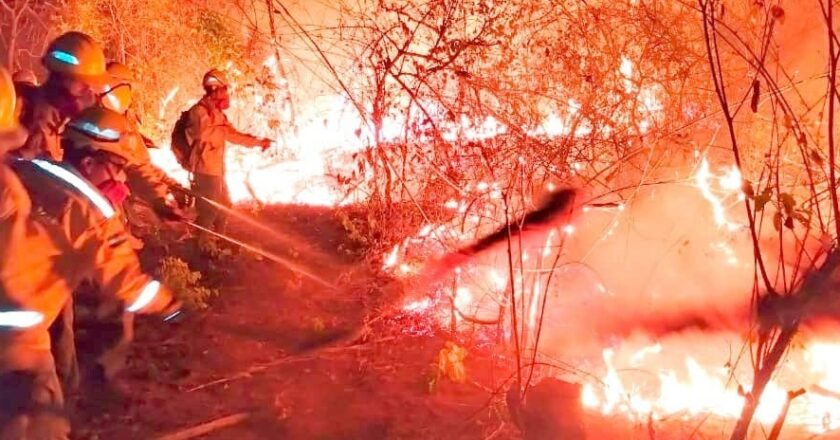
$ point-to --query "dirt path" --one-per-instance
(260, 350)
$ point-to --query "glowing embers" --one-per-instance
(418, 306)
(392, 258)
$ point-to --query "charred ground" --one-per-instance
(298, 358)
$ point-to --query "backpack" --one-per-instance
(180, 144)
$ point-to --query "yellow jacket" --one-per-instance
(76, 234)
(146, 181)
(207, 132)
(32, 286)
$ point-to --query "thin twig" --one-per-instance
(283, 361)
(780, 421)
(207, 427)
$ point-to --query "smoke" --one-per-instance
(663, 266)
(655, 268)
(528, 229)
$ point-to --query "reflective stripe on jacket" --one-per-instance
(95, 231)
(34, 283)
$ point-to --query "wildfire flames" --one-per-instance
(642, 377)
(696, 389)
(298, 167)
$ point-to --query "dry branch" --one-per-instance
(306, 356)
(207, 427)
(780, 421)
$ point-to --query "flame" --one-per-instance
(295, 170)
(730, 182)
(392, 258)
(699, 390)
(418, 306)
(703, 179)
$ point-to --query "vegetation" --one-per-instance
(494, 102)
(185, 283)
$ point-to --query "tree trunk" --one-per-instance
(762, 378)
(811, 298)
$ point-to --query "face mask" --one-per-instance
(224, 103)
(223, 99)
(115, 192)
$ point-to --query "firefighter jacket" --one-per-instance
(207, 131)
(76, 234)
(32, 287)
(146, 181)
(45, 123)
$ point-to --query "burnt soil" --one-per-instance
(293, 356)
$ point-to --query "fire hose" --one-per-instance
(263, 253)
(294, 267)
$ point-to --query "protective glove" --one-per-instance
(182, 196)
(167, 212)
(265, 144)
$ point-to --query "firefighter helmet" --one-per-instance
(214, 79)
(98, 129)
(118, 94)
(7, 101)
(76, 55)
(118, 98)
(120, 73)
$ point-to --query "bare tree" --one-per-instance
(24, 27)
(785, 295)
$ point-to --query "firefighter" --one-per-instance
(76, 66)
(146, 181)
(32, 402)
(39, 269)
(79, 196)
(207, 132)
(11, 134)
